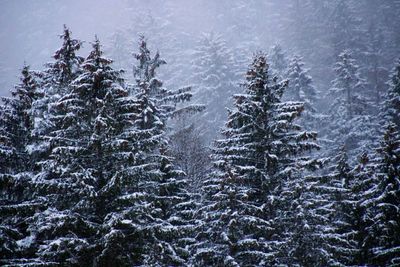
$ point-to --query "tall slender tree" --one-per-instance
(262, 150)
(54, 82)
(16, 201)
(352, 122)
(391, 106)
(214, 76)
(151, 213)
(79, 164)
(386, 201)
(301, 89)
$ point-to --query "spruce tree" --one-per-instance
(55, 82)
(279, 62)
(263, 149)
(214, 76)
(339, 236)
(386, 201)
(362, 216)
(351, 122)
(17, 123)
(304, 221)
(150, 222)
(301, 89)
(16, 201)
(79, 163)
(392, 102)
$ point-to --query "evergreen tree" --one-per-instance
(262, 150)
(279, 62)
(17, 123)
(165, 36)
(340, 234)
(392, 103)
(16, 203)
(79, 164)
(386, 201)
(301, 89)
(66, 65)
(303, 221)
(350, 117)
(54, 83)
(214, 76)
(151, 219)
(363, 175)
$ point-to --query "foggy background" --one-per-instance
(317, 30)
(29, 29)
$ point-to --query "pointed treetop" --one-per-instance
(257, 78)
(146, 70)
(28, 85)
(69, 46)
(278, 59)
(343, 166)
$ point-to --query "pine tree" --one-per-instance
(301, 89)
(17, 123)
(261, 152)
(304, 221)
(364, 180)
(386, 201)
(65, 68)
(16, 203)
(151, 217)
(351, 120)
(167, 37)
(79, 163)
(340, 233)
(392, 102)
(54, 83)
(214, 76)
(279, 62)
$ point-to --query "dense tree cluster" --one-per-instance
(97, 169)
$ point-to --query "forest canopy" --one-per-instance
(267, 136)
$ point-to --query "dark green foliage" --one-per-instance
(151, 205)
(261, 154)
(16, 200)
(386, 201)
(392, 104)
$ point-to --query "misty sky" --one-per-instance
(29, 29)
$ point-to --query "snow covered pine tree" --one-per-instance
(352, 123)
(151, 223)
(214, 74)
(78, 165)
(261, 155)
(386, 201)
(16, 203)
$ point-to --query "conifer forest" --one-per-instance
(168, 133)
